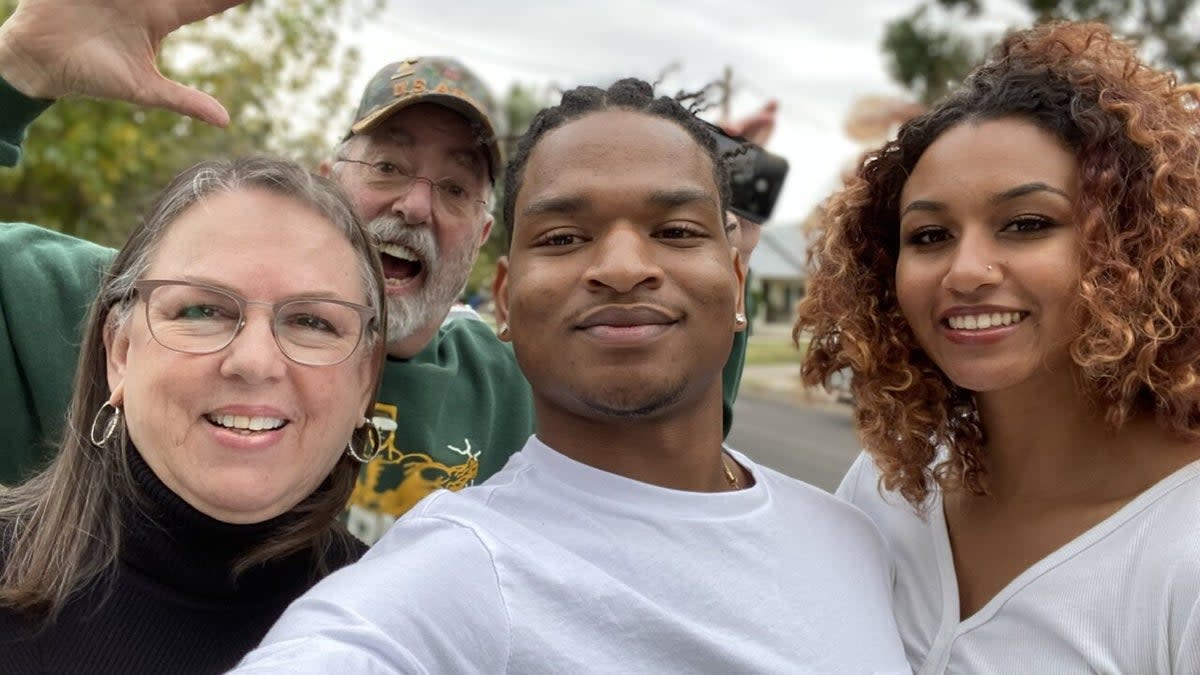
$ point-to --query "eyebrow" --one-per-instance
(1028, 188)
(397, 136)
(1011, 193)
(680, 197)
(467, 157)
(923, 205)
(666, 199)
(307, 295)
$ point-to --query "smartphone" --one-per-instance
(755, 175)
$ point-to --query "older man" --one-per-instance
(419, 163)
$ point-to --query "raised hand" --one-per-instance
(104, 48)
(756, 128)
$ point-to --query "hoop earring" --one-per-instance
(105, 424)
(371, 446)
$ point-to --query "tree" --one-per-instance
(933, 47)
(517, 109)
(90, 167)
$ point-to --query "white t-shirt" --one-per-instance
(553, 566)
(1122, 598)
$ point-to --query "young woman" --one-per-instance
(1015, 283)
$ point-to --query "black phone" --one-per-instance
(755, 175)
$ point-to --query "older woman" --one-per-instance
(218, 420)
(1015, 283)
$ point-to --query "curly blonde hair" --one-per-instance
(1135, 133)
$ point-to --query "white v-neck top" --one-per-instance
(1123, 597)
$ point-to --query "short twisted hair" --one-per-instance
(1133, 130)
(628, 94)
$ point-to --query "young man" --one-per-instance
(623, 537)
(418, 164)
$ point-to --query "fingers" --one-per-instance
(176, 97)
(758, 127)
(188, 11)
(185, 101)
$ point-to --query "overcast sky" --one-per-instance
(815, 57)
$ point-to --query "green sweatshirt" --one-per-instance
(449, 417)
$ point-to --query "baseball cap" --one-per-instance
(430, 79)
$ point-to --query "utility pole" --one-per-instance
(726, 93)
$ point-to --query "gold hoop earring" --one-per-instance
(371, 446)
(105, 424)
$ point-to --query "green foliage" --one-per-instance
(929, 56)
(90, 166)
(519, 106)
(925, 58)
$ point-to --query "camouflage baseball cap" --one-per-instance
(430, 79)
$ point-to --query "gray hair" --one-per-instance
(220, 176)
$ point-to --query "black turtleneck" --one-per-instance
(172, 606)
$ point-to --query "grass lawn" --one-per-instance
(766, 350)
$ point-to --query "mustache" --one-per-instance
(390, 229)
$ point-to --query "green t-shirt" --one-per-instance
(449, 417)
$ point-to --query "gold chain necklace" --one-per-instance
(733, 481)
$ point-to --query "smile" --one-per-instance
(401, 265)
(984, 321)
(627, 335)
(626, 326)
(246, 424)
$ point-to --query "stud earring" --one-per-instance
(739, 318)
(503, 332)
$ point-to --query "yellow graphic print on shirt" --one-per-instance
(378, 499)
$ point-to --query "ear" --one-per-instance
(740, 304)
(116, 351)
(732, 231)
(487, 230)
(500, 293)
(369, 376)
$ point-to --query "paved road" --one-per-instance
(813, 443)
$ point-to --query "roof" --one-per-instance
(780, 253)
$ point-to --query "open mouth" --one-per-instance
(983, 321)
(401, 265)
(245, 424)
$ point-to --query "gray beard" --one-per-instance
(445, 278)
